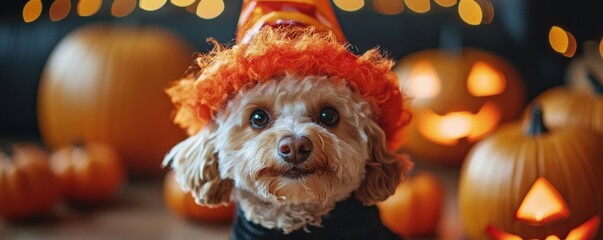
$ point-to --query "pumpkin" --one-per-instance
(89, 174)
(533, 183)
(183, 204)
(105, 83)
(28, 187)
(573, 107)
(415, 208)
(458, 99)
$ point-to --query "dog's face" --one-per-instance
(295, 140)
(289, 141)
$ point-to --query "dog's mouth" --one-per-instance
(296, 173)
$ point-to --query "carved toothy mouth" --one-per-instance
(587, 230)
(452, 127)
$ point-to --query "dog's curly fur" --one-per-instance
(229, 158)
(292, 74)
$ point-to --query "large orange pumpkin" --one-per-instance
(27, 185)
(458, 98)
(89, 174)
(183, 204)
(534, 183)
(105, 83)
(415, 208)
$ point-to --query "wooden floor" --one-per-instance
(139, 213)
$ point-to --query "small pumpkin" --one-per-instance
(534, 183)
(183, 204)
(89, 174)
(415, 208)
(105, 83)
(28, 187)
(458, 99)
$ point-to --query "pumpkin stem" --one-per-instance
(597, 86)
(536, 125)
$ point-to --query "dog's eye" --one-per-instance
(329, 116)
(259, 119)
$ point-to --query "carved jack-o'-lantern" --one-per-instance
(532, 183)
(458, 98)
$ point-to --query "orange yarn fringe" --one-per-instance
(274, 52)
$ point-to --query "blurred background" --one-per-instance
(518, 33)
(50, 94)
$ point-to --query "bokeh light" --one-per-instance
(418, 6)
(192, 8)
(182, 3)
(572, 46)
(151, 5)
(470, 12)
(476, 12)
(388, 7)
(601, 47)
(349, 5)
(208, 9)
(59, 9)
(562, 41)
(87, 8)
(446, 3)
(32, 10)
(122, 8)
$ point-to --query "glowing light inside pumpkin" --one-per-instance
(470, 12)
(87, 8)
(455, 125)
(423, 81)
(151, 5)
(446, 3)
(388, 7)
(601, 48)
(450, 128)
(562, 41)
(32, 10)
(485, 80)
(418, 6)
(122, 8)
(349, 5)
(542, 204)
(59, 9)
(208, 9)
(586, 230)
(182, 3)
(497, 234)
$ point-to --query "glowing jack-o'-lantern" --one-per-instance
(532, 183)
(458, 97)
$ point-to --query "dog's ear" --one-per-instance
(195, 163)
(384, 169)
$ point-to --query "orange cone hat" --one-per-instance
(256, 14)
(296, 37)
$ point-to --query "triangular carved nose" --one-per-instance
(542, 204)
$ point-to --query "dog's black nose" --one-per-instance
(294, 150)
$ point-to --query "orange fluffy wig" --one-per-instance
(220, 74)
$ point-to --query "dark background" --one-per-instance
(519, 33)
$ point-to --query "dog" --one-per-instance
(298, 146)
